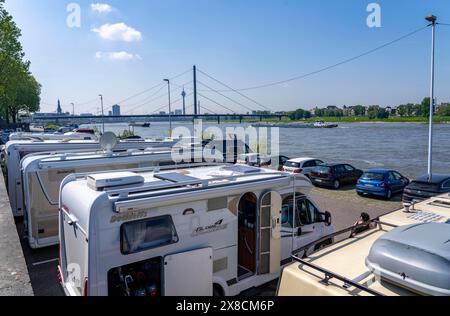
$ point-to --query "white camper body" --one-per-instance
(195, 231)
(55, 136)
(42, 176)
(15, 151)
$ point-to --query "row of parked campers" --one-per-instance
(244, 243)
(403, 253)
(196, 231)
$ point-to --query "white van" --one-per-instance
(15, 151)
(196, 231)
(42, 176)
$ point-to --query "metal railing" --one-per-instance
(354, 230)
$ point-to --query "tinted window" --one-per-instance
(283, 160)
(446, 185)
(314, 212)
(286, 214)
(310, 163)
(349, 168)
(147, 234)
(391, 176)
(339, 169)
(304, 213)
(373, 176)
(323, 169)
(398, 176)
(319, 162)
(426, 186)
(291, 164)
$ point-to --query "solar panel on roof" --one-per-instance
(176, 177)
(242, 169)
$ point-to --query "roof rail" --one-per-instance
(329, 274)
(149, 188)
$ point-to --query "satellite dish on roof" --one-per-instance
(108, 141)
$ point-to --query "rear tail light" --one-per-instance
(298, 171)
(329, 175)
(282, 168)
(86, 287)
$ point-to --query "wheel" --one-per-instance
(360, 193)
(388, 195)
(217, 290)
(336, 184)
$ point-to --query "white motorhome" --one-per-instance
(42, 176)
(194, 231)
(15, 151)
(55, 136)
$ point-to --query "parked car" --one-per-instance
(335, 175)
(282, 162)
(381, 182)
(302, 165)
(422, 188)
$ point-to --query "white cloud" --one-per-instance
(122, 56)
(118, 32)
(101, 8)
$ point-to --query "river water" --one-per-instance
(400, 146)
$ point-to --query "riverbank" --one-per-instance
(356, 119)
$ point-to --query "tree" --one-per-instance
(19, 90)
(425, 107)
(359, 110)
(444, 110)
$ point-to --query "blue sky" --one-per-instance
(240, 42)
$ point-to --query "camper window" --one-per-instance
(147, 234)
(217, 204)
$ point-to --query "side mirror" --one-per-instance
(327, 219)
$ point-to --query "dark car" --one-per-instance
(381, 182)
(335, 175)
(422, 188)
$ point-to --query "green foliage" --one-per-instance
(126, 134)
(19, 90)
(444, 110)
(376, 112)
(425, 107)
(299, 114)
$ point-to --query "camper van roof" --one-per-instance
(77, 141)
(347, 259)
(55, 159)
(188, 181)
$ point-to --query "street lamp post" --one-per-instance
(432, 19)
(170, 108)
(103, 113)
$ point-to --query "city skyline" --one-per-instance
(122, 49)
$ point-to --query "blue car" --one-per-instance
(382, 183)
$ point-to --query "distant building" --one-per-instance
(162, 113)
(116, 110)
(59, 109)
(86, 114)
(332, 107)
(178, 112)
(110, 113)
